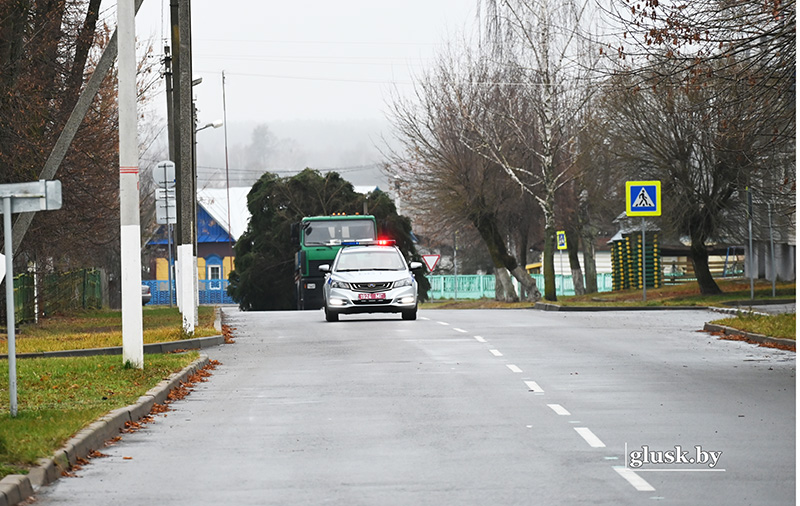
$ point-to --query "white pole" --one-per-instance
(130, 240)
(186, 286)
(12, 340)
(772, 249)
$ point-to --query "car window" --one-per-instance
(330, 232)
(357, 260)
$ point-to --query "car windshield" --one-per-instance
(332, 232)
(370, 260)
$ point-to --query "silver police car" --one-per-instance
(373, 278)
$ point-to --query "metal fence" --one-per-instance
(482, 286)
(56, 293)
(210, 291)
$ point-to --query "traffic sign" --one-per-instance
(643, 198)
(431, 261)
(164, 174)
(561, 239)
(166, 212)
(32, 197)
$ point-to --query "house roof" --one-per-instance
(215, 202)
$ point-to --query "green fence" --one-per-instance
(482, 286)
(59, 293)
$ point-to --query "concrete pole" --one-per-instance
(185, 184)
(130, 244)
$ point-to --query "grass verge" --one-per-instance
(688, 294)
(782, 325)
(102, 328)
(59, 396)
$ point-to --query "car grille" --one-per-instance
(371, 302)
(371, 287)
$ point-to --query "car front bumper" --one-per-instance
(344, 301)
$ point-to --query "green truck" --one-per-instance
(320, 238)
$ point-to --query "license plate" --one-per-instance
(371, 296)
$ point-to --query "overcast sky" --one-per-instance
(318, 60)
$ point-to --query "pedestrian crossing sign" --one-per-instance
(561, 239)
(643, 198)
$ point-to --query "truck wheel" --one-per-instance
(331, 316)
(411, 314)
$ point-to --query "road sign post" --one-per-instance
(643, 198)
(17, 198)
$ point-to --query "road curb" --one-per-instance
(16, 488)
(545, 306)
(750, 337)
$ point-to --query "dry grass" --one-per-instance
(103, 329)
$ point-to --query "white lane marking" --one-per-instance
(443, 323)
(590, 438)
(534, 387)
(459, 330)
(496, 353)
(634, 479)
(480, 339)
(559, 409)
(423, 318)
(513, 368)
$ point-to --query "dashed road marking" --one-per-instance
(634, 479)
(496, 353)
(480, 339)
(534, 387)
(559, 409)
(514, 368)
(459, 330)
(589, 437)
(443, 323)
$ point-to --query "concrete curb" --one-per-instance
(749, 336)
(545, 306)
(736, 310)
(16, 488)
(197, 343)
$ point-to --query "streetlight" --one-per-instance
(196, 281)
(215, 124)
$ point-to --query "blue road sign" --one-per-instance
(643, 198)
(561, 239)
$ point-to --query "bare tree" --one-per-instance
(541, 45)
(448, 177)
(705, 149)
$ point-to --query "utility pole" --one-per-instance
(227, 172)
(130, 234)
(180, 20)
(171, 142)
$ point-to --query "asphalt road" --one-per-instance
(465, 407)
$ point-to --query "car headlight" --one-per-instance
(403, 282)
(340, 284)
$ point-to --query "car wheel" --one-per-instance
(411, 314)
(331, 316)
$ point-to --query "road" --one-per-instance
(465, 407)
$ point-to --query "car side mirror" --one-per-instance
(324, 268)
(415, 265)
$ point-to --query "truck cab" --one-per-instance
(320, 238)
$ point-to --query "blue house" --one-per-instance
(215, 242)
